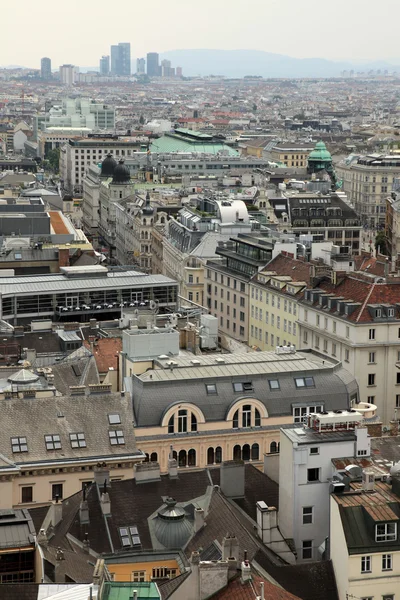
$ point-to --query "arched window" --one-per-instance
(246, 452)
(154, 457)
(146, 235)
(257, 418)
(182, 421)
(236, 420)
(218, 455)
(255, 452)
(237, 452)
(144, 222)
(273, 448)
(162, 219)
(147, 458)
(171, 427)
(193, 422)
(210, 456)
(182, 458)
(192, 457)
(175, 454)
(247, 416)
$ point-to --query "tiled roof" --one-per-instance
(19, 591)
(251, 590)
(285, 265)
(105, 352)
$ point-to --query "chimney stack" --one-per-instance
(84, 510)
(230, 548)
(198, 519)
(105, 501)
(101, 474)
(56, 512)
(246, 569)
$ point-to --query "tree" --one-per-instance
(381, 243)
(142, 120)
(53, 159)
(254, 107)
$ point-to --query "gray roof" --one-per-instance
(43, 284)
(16, 529)
(35, 418)
(155, 391)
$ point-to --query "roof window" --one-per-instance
(129, 536)
(117, 438)
(243, 386)
(304, 382)
(52, 442)
(19, 444)
(114, 419)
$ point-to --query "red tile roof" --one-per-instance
(285, 264)
(236, 590)
(105, 351)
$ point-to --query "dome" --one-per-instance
(23, 376)
(108, 166)
(171, 526)
(320, 153)
(121, 173)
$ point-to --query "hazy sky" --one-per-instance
(80, 31)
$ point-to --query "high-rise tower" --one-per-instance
(45, 68)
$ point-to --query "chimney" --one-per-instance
(101, 474)
(42, 538)
(84, 510)
(63, 257)
(147, 471)
(172, 465)
(86, 543)
(59, 570)
(56, 515)
(245, 569)
(267, 522)
(230, 548)
(232, 478)
(105, 502)
(368, 480)
(198, 519)
(262, 595)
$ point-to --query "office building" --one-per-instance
(68, 74)
(179, 71)
(166, 68)
(121, 59)
(153, 68)
(306, 466)
(140, 66)
(105, 66)
(45, 68)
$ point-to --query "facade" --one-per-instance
(82, 293)
(45, 68)
(306, 469)
(212, 409)
(364, 539)
(357, 321)
(274, 294)
(105, 65)
(292, 154)
(227, 281)
(121, 59)
(367, 181)
(90, 203)
(51, 447)
(153, 69)
(68, 74)
(392, 225)
(140, 66)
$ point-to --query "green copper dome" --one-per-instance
(320, 153)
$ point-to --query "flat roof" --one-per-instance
(302, 436)
(45, 284)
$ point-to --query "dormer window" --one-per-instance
(386, 532)
(390, 312)
(378, 313)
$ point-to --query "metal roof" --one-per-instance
(45, 284)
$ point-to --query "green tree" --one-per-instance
(381, 242)
(53, 159)
(254, 107)
(142, 120)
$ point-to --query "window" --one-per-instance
(77, 440)
(307, 549)
(307, 515)
(246, 416)
(333, 349)
(397, 400)
(302, 382)
(241, 316)
(387, 597)
(193, 422)
(57, 491)
(334, 326)
(366, 564)
(114, 419)
(27, 494)
(300, 413)
(52, 442)
(273, 384)
(386, 562)
(211, 389)
(138, 576)
(236, 420)
(325, 345)
(347, 332)
(312, 475)
(385, 532)
(171, 425)
(397, 378)
(257, 418)
(19, 444)
(371, 357)
(240, 386)
(116, 438)
(314, 450)
(305, 337)
(129, 536)
(317, 341)
(371, 379)
(242, 301)
(371, 334)
(182, 421)
(242, 287)
(318, 319)
(346, 355)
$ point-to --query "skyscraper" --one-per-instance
(45, 68)
(105, 65)
(153, 69)
(121, 59)
(68, 74)
(166, 68)
(141, 66)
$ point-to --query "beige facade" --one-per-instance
(292, 155)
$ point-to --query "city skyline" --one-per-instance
(291, 31)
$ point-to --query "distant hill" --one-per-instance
(238, 63)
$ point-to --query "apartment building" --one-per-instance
(292, 154)
(367, 181)
(227, 281)
(357, 321)
(364, 538)
(214, 408)
(274, 296)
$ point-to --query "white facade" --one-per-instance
(90, 204)
(305, 473)
(68, 74)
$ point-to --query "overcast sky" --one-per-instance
(80, 31)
